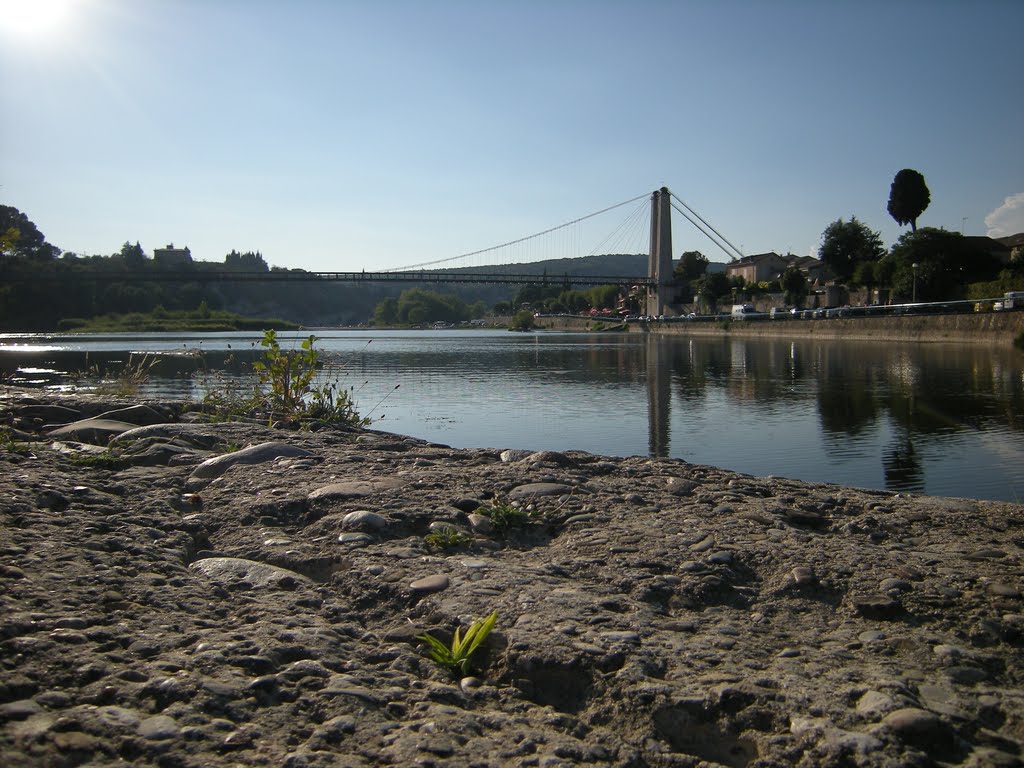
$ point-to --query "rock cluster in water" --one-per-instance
(177, 592)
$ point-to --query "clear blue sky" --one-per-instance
(348, 135)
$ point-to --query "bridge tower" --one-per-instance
(659, 265)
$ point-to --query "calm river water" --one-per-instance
(927, 418)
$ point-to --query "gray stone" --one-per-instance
(363, 520)
(254, 454)
(355, 538)
(119, 717)
(679, 486)
(538, 489)
(435, 583)
(238, 570)
(874, 704)
(513, 455)
(95, 431)
(922, 729)
(481, 524)
(877, 607)
(139, 415)
(157, 728)
(19, 710)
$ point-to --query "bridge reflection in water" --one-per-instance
(938, 418)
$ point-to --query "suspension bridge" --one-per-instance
(644, 228)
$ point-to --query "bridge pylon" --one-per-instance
(659, 265)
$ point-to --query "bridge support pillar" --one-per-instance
(659, 265)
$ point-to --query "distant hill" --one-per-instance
(614, 264)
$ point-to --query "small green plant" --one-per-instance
(334, 404)
(446, 538)
(127, 381)
(8, 444)
(289, 375)
(456, 658)
(288, 372)
(505, 516)
(104, 460)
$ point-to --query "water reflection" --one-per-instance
(945, 419)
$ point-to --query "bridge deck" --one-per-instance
(207, 276)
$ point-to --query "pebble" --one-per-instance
(19, 710)
(364, 520)
(435, 583)
(877, 607)
(921, 729)
(1003, 590)
(531, 490)
(874, 704)
(157, 728)
(803, 576)
(355, 538)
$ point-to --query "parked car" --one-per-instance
(1013, 300)
(780, 313)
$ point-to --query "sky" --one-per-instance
(339, 135)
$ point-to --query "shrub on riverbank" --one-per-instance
(522, 321)
(164, 321)
(288, 391)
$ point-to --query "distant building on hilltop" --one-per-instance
(171, 256)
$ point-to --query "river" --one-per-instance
(942, 419)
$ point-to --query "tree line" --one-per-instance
(928, 264)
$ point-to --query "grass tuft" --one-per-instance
(455, 658)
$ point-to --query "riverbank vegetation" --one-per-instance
(43, 288)
(162, 320)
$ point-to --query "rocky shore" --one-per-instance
(180, 592)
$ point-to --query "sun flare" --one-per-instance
(34, 19)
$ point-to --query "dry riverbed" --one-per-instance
(224, 594)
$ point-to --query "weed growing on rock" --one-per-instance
(446, 538)
(8, 444)
(104, 460)
(288, 372)
(505, 516)
(456, 658)
(126, 382)
(287, 390)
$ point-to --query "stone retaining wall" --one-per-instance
(989, 328)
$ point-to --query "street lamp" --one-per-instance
(914, 289)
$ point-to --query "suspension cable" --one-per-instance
(704, 232)
(521, 239)
(721, 237)
(626, 225)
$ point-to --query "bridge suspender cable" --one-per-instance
(521, 239)
(735, 252)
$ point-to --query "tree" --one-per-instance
(20, 237)
(692, 265)
(133, 255)
(386, 312)
(845, 244)
(936, 265)
(908, 197)
(712, 287)
(864, 274)
(795, 285)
